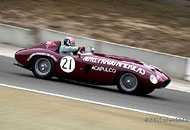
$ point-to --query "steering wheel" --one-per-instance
(81, 49)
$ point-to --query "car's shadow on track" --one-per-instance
(73, 82)
(22, 74)
(89, 85)
(99, 87)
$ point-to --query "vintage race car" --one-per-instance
(130, 76)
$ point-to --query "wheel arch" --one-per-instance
(39, 56)
(121, 73)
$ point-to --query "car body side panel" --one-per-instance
(83, 71)
(95, 68)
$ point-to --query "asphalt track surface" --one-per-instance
(162, 101)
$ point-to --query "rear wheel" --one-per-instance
(43, 67)
(128, 83)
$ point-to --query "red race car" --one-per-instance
(130, 76)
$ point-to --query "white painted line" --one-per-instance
(89, 101)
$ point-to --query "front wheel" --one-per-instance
(43, 67)
(128, 83)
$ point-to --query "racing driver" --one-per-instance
(69, 47)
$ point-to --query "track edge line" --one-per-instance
(89, 101)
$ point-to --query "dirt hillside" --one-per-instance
(158, 25)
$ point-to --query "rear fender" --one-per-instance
(30, 62)
(42, 54)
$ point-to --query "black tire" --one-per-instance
(146, 91)
(43, 67)
(128, 83)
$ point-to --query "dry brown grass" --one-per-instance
(151, 24)
(21, 110)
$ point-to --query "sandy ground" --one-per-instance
(157, 25)
(21, 110)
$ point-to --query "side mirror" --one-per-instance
(92, 50)
(79, 54)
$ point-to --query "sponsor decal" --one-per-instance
(114, 63)
(50, 44)
(42, 54)
(67, 64)
(104, 69)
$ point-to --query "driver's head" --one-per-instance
(69, 41)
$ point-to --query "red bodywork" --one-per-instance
(94, 68)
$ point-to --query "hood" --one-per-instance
(120, 58)
(131, 60)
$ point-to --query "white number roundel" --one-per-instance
(67, 64)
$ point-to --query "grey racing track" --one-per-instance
(163, 101)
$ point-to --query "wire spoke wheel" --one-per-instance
(128, 83)
(43, 67)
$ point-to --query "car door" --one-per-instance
(76, 67)
(71, 67)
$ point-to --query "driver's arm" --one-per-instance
(69, 49)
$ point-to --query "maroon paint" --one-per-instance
(91, 75)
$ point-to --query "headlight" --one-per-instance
(153, 79)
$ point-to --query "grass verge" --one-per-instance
(21, 110)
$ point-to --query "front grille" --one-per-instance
(166, 83)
